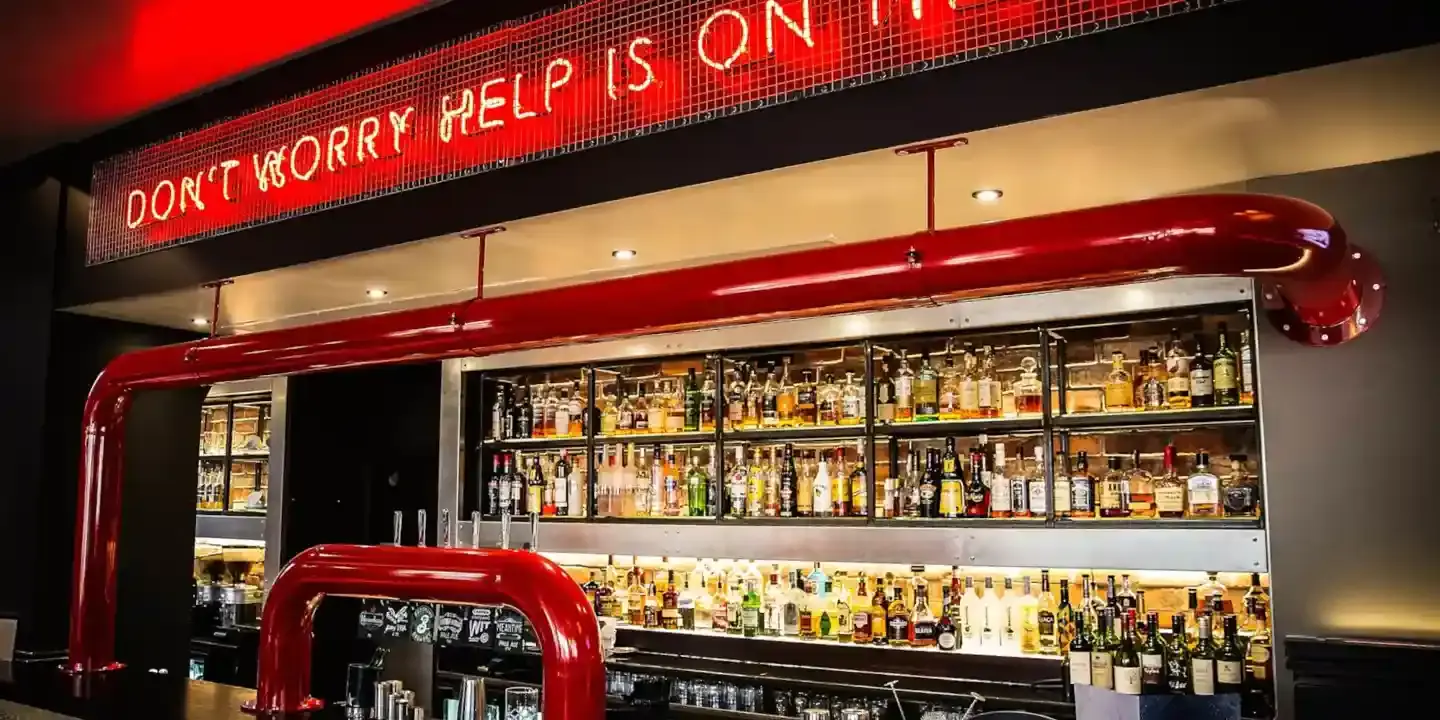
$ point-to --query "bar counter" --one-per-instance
(39, 691)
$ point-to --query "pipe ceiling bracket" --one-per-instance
(1311, 326)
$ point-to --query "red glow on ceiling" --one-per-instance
(594, 73)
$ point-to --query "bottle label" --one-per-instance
(1176, 365)
(1080, 495)
(1062, 495)
(1204, 490)
(1202, 383)
(1229, 672)
(1080, 668)
(1152, 668)
(946, 640)
(1019, 494)
(1247, 369)
(1038, 505)
(1127, 680)
(1100, 671)
(750, 617)
(969, 395)
(1224, 375)
(999, 497)
(1239, 500)
(885, 411)
(1170, 499)
(927, 492)
(986, 394)
(1202, 673)
(1178, 384)
(1045, 623)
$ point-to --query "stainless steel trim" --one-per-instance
(450, 492)
(276, 506)
(1166, 548)
(254, 528)
(1031, 308)
(255, 386)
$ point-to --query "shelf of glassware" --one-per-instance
(1181, 545)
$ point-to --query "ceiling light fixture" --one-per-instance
(622, 254)
(199, 321)
(376, 293)
(987, 195)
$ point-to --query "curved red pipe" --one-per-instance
(1296, 248)
(565, 624)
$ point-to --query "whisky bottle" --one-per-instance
(923, 627)
(829, 399)
(807, 604)
(968, 385)
(806, 400)
(1177, 369)
(1046, 623)
(852, 402)
(1001, 494)
(977, 495)
(952, 503)
(1028, 400)
(1202, 378)
(1202, 661)
(625, 424)
(1114, 500)
(1256, 602)
(1035, 484)
(879, 615)
(692, 402)
(860, 484)
(1203, 489)
(1153, 390)
(930, 485)
(670, 604)
(949, 388)
(988, 386)
(1170, 500)
(735, 400)
(789, 481)
(860, 619)
(884, 395)
(785, 396)
(772, 485)
(1082, 488)
(898, 619)
(1225, 372)
(1141, 489)
(904, 391)
(1241, 491)
(1247, 369)
(1119, 388)
(927, 398)
(549, 406)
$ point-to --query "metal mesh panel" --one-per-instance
(593, 73)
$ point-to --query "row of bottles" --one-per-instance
(1175, 378)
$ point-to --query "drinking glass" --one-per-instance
(522, 703)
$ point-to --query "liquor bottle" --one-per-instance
(946, 636)
(498, 411)
(898, 619)
(1129, 674)
(772, 484)
(1153, 389)
(1114, 498)
(675, 407)
(860, 619)
(972, 613)
(909, 491)
(807, 613)
(992, 616)
(625, 417)
(497, 489)
(772, 609)
(754, 400)
(828, 396)
(1141, 487)
(927, 394)
(563, 482)
(735, 605)
(1028, 398)
(1256, 603)
(1202, 378)
(676, 490)
(806, 400)
(720, 604)
(904, 391)
(930, 485)
(1048, 639)
(1002, 495)
(1241, 490)
(1229, 660)
(860, 484)
(525, 414)
(879, 615)
(1170, 493)
(1125, 597)
(949, 389)
(738, 486)
(1259, 678)
(1082, 488)
(1212, 592)
(549, 406)
(1035, 483)
(1029, 612)
(1103, 645)
(789, 482)
(707, 402)
(641, 411)
(952, 503)
(923, 624)
(967, 384)
(988, 386)
(735, 399)
(794, 599)
(823, 499)
(1178, 667)
(884, 395)
(1119, 388)
(1152, 658)
(755, 486)
(805, 487)
(852, 402)
(535, 498)
(1177, 370)
(1247, 369)
(750, 611)
(670, 603)
(1065, 615)
(1202, 661)
(839, 485)
(636, 605)
(1225, 372)
(770, 402)
(1192, 615)
(1079, 654)
(1203, 489)
(976, 496)
(1112, 596)
(692, 402)
(785, 396)
(844, 616)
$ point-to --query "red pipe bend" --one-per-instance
(565, 624)
(1312, 279)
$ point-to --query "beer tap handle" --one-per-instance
(445, 528)
(399, 526)
(534, 543)
(420, 528)
(505, 518)
(475, 529)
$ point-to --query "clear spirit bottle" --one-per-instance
(1204, 489)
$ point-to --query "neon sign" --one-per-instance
(594, 73)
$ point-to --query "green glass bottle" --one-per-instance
(750, 611)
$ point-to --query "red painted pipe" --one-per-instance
(565, 624)
(1295, 247)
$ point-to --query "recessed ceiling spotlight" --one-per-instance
(987, 195)
(199, 321)
(376, 293)
(622, 254)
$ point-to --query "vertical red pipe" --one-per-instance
(564, 622)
